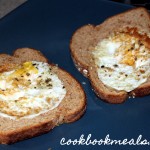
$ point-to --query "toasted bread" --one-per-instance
(69, 110)
(87, 37)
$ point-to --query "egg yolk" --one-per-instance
(129, 48)
(26, 67)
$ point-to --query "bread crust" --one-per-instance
(106, 94)
(98, 33)
(16, 130)
(26, 133)
(142, 90)
(81, 66)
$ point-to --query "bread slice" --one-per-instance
(87, 37)
(69, 110)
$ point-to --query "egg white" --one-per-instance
(42, 91)
(115, 74)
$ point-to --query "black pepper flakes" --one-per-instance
(141, 44)
(132, 48)
(16, 79)
(28, 74)
(50, 85)
(47, 80)
(115, 65)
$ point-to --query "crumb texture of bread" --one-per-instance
(87, 37)
(69, 110)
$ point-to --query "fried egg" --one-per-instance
(29, 90)
(123, 62)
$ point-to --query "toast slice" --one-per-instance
(69, 110)
(87, 37)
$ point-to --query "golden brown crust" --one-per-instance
(126, 20)
(70, 109)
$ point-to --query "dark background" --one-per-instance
(137, 3)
